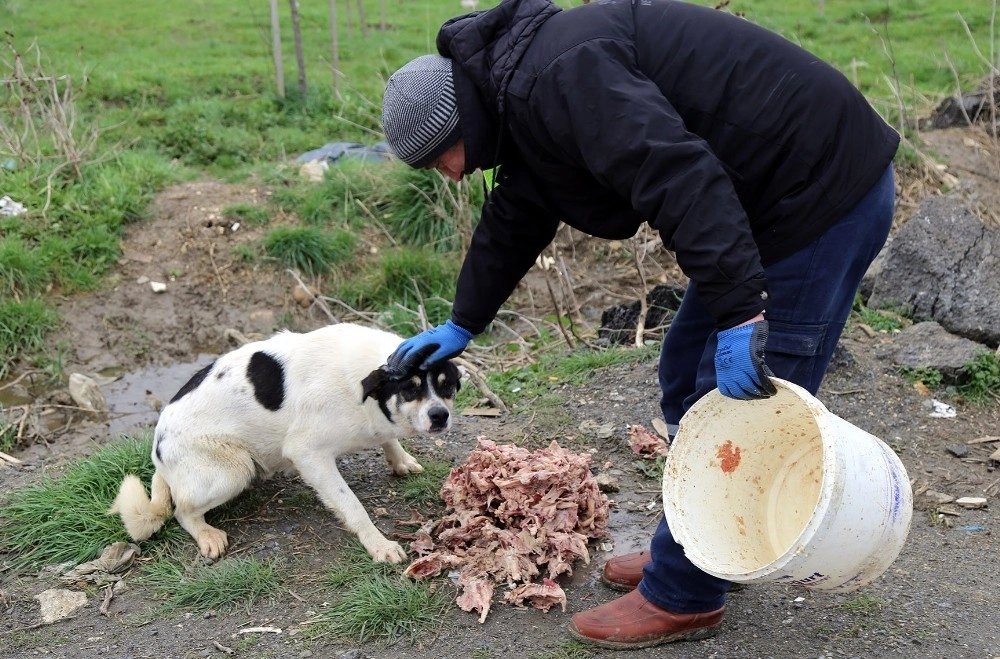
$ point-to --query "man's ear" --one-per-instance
(372, 384)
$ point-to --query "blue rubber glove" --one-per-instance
(427, 348)
(740, 370)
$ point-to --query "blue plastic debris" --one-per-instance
(972, 528)
(334, 151)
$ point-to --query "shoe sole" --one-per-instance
(693, 635)
(734, 586)
(621, 587)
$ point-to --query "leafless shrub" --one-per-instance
(39, 121)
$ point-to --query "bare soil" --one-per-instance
(939, 599)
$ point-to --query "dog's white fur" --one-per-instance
(211, 442)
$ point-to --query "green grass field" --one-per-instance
(197, 48)
(153, 93)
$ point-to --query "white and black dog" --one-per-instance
(293, 401)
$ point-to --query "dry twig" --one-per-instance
(480, 384)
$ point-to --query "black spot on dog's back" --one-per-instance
(193, 383)
(267, 376)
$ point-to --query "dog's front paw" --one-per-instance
(212, 542)
(404, 464)
(386, 551)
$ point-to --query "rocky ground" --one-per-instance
(939, 599)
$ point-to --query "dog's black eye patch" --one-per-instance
(445, 386)
(411, 388)
(193, 383)
(447, 379)
(267, 376)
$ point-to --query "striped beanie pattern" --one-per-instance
(419, 113)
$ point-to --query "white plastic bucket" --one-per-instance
(782, 490)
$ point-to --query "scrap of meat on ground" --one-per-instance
(517, 518)
(646, 443)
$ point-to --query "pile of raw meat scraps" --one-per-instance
(517, 518)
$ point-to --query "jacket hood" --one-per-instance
(485, 47)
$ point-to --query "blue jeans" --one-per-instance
(810, 296)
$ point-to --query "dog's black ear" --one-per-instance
(372, 384)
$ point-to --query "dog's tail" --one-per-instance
(141, 515)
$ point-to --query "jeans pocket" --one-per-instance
(798, 353)
(800, 340)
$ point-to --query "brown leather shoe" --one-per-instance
(625, 572)
(630, 622)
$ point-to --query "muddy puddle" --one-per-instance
(135, 399)
(52, 427)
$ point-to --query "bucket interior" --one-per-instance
(745, 481)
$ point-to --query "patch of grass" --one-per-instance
(207, 132)
(865, 605)
(65, 518)
(301, 499)
(246, 253)
(931, 377)
(24, 643)
(21, 269)
(375, 602)
(353, 191)
(315, 204)
(880, 320)
(23, 325)
(425, 487)
(555, 369)
(981, 383)
(249, 214)
(581, 364)
(8, 431)
(412, 274)
(652, 469)
(568, 650)
(400, 280)
(232, 584)
(430, 211)
(309, 249)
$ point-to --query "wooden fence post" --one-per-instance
(299, 57)
(279, 71)
(335, 48)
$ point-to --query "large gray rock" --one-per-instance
(928, 345)
(944, 265)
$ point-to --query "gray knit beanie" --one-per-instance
(419, 113)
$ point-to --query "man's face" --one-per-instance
(451, 163)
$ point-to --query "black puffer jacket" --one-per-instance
(737, 146)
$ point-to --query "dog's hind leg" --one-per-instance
(212, 542)
(401, 462)
(217, 474)
(321, 473)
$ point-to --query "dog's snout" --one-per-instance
(439, 417)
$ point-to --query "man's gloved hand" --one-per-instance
(740, 370)
(427, 348)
